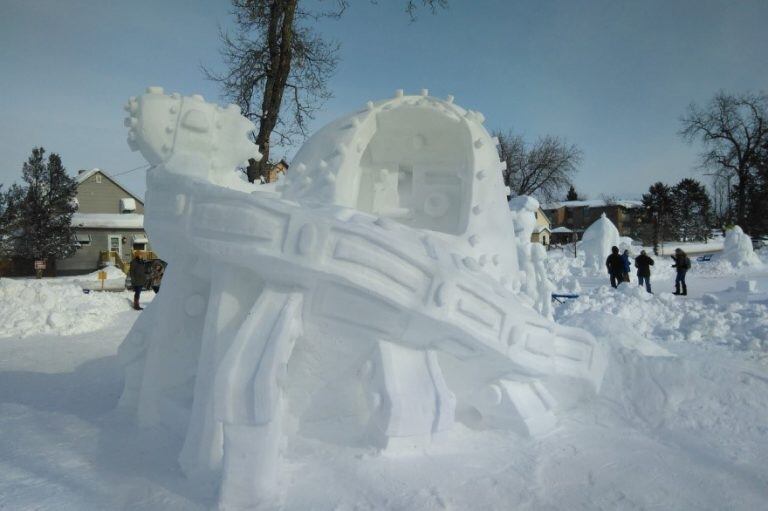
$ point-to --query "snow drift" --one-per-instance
(54, 307)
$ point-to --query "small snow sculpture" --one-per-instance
(597, 242)
(737, 248)
(531, 256)
(376, 292)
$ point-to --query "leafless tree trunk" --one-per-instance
(543, 169)
(276, 57)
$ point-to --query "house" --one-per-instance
(577, 215)
(109, 224)
(542, 232)
(272, 172)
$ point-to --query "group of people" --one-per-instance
(144, 274)
(619, 266)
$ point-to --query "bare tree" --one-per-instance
(543, 169)
(276, 57)
(732, 128)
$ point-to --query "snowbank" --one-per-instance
(115, 279)
(667, 318)
(54, 307)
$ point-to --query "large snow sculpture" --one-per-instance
(737, 248)
(597, 242)
(365, 304)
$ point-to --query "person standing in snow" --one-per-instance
(626, 266)
(615, 267)
(643, 264)
(683, 264)
(138, 273)
(157, 275)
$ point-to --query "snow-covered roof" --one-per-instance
(561, 230)
(108, 220)
(540, 228)
(593, 203)
(84, 175)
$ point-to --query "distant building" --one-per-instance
(109, 224)
(542, 233)
(273, 171)
(626, 215)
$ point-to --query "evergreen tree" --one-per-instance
(690, 210)
(572, 195)
(41, 210)
(658, 209)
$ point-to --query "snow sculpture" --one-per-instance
(376, 293)
(597, 242)
(737, 248)
(531, 256)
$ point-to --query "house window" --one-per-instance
(127, 205)
(97, 178)
(83, 240)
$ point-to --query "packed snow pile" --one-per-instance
(54, 307)
(115, 279)
(631, 312)
(737, 249)
(597, 242)
(382, 288)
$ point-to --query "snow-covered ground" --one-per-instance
(680, 423)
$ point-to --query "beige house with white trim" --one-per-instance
(109, 218)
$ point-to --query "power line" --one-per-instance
(146, 165)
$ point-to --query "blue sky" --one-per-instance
(611, 76)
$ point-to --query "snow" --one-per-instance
(683, 429)
(737, 248)
(597, 242)
(115, 279)
(387, 246)
(593, 203)
(58, 307)
(108, 220)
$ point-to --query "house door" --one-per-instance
(116, 244)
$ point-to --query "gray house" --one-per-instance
(109, 224)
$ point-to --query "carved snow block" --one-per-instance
(408, 394)
(525, 407)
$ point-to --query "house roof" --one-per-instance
(108, 220)
(594, 203)
(84, 175)
(561, 230)
(541, 228)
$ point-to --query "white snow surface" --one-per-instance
(54, 306)
(678, 430)
(108, 220)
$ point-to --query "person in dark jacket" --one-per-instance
(138, 273)
(683, 264)
(643, 264)
(615, 267)
(626, 266)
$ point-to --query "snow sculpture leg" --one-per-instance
(408, 394)
(231, 299)
(525, 407)
(249, 399)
